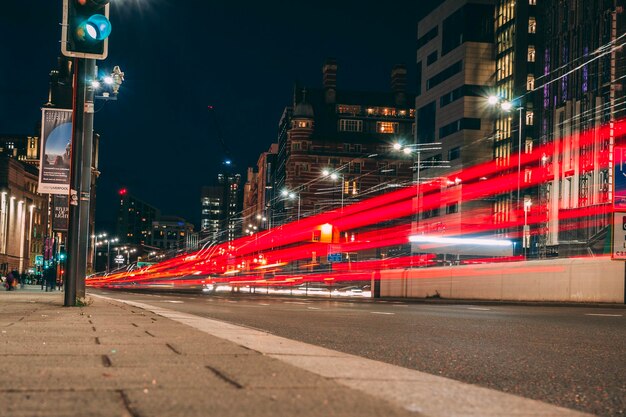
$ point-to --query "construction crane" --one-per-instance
(227, 155)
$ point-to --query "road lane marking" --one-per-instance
(479, 308)
(382, 312)
(604, 315)
(263, 304)
(295, 302)
(413, 390)
(172, 301)
(314, 308)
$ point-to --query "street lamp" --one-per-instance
(292, 196)
(108, 242)
(334, 176)
(507, 106)
(416, 149)
(95, 238)
(526, 232)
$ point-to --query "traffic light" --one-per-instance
(86, 28)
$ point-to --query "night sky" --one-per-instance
(179, 57)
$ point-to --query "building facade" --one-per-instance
(172, 233)
(581, 97)
(456, 68)
(221, 206)
(23, 217)
(134, 220)
(348, 134)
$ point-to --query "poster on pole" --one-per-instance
(60, 213)
(618, 251)
(56, 140)
(619, 178)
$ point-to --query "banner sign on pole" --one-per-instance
(61, 213)
(56, 139)
(619, 178)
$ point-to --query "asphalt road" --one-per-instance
(573, 357)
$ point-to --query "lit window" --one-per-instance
(530, 118)
(532, 2)
(303, 124)
(386, 127)
(531, 53)
(530, 82)
(532, 25)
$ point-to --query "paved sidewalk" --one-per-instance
(112, 359)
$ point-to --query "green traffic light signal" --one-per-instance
(86, 28)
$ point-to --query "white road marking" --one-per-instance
(382, 312)
(314, 308)
(407, 388)
(604, 315)
(479, 308)
(295, 302)
(263, 304)
(173, 301)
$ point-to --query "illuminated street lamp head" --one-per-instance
(292, 195)
(325, 172)
(506, 105)
(493, 100)
(108, 80)
(397, 146)
(407, 151)
(284, 193)
(95, 84)
(334, 176)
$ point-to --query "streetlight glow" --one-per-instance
(506, 106)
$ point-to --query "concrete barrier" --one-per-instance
(584, 280)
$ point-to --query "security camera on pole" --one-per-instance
(85, 33)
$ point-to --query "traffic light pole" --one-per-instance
(80, 180)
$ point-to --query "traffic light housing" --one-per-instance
(86, 28)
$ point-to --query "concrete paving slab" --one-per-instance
(329, 402)
(257, 371)
(63, 404)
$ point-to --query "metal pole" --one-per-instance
(519, 156)
(298, 206)
(80, 181)
(108, 255)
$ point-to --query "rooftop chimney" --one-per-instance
(330, 80)
(398, 84)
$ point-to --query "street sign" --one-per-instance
(38, 260)
(334, 257)
(119, 259)
(619, 236)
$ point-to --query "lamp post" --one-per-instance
(109, 241)
(526, 233)
(335, 176)
(292, 196)
(415, 150)
(507, 106)
(95, 238)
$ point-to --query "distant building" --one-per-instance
(259, 190)
(221, 205)
(349, 133)
(24, 148)
(170, 232)
(134, 220)
(23, 217)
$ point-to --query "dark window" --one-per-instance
(457, 93)
(454, 153)
(428, 36)
(444, 75)
(452, 208)
(431, 213)
(432, 58)
(452, 31)
(426, 123)
(461, 124)
(471, 23)
(418, 77)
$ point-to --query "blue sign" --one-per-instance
(334, 257)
